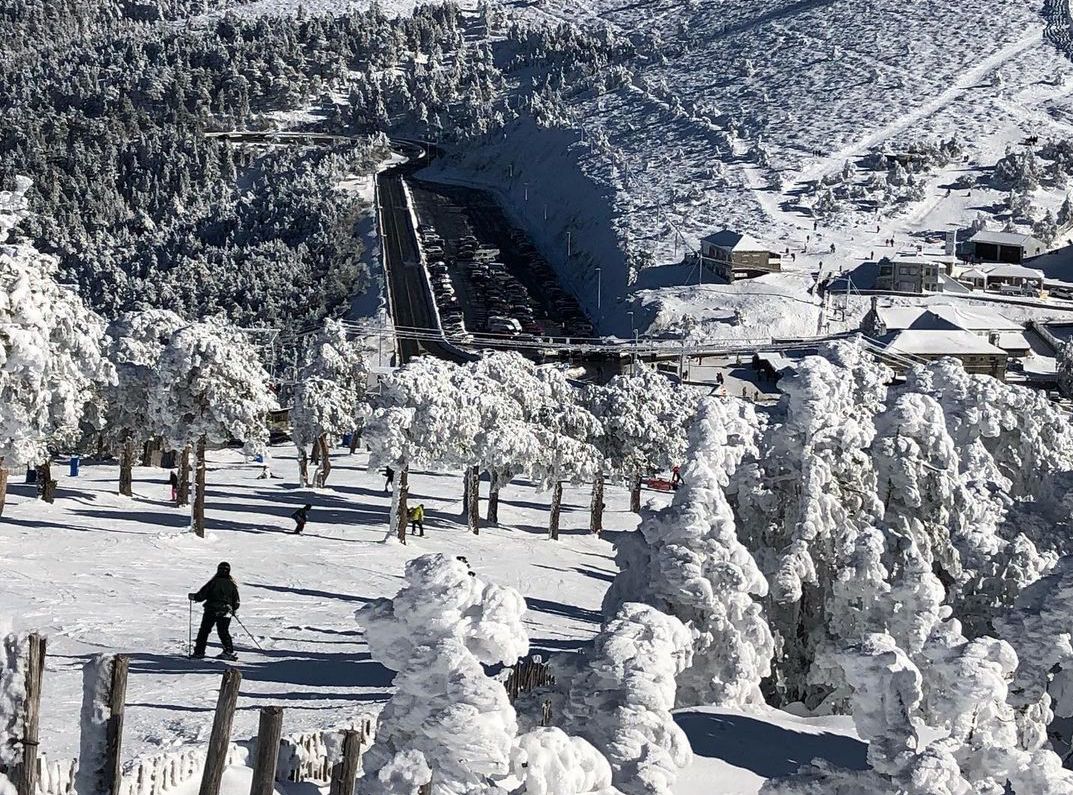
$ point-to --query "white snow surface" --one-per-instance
(100, 573)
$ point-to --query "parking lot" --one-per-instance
(488, 280)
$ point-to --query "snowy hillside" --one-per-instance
(101, 573)
(729, 113)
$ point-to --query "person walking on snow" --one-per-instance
(300, 517)
(389, 474)
(220, 595)
(417, 520)
(173, 479)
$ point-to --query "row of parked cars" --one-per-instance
(498, 303)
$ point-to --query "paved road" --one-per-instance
(410, 295)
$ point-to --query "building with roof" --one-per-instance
(1009, 247)
(978, 355)
(910, 274)
(733, 255)
(996, 275)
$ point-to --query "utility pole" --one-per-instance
(599, 293)
(569, 240)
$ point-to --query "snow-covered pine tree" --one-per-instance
(210, 388)
(686, 560)
(329, 398)
(50, 343)
(619, 695)
(134, 344)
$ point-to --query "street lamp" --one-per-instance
(599, 290)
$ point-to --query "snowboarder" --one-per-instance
(417, 520)
(173, 479)
(220, 595)
(300, 516)
(389, 474)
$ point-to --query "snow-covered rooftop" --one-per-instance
(734, 241)
(939, 343)
(1013, 341)
(944, 317)
(1003, 270)
(1004, 239)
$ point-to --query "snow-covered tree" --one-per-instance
(329, 398)
(686, 560)
(210, 389)
(133, 345)
(644, 418)
(1065, 369)
(620, 693)
(448, 722)
(51, 364)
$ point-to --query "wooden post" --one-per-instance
(26, 773)
(117, 696)
(269, 730)
(303, 467)
(216, 758)
(3, 488)
(45, 482)
(556, 508)
(493, 499)
(635, 494)
(344, 773)
(199, 490)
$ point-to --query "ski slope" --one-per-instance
(101, 573)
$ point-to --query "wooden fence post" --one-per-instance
(344, 773)
(26, 774)
(216, 758)
(269, 731)
(117, 696)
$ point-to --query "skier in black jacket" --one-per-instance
(220, 595)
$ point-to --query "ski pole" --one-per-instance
(239, 620)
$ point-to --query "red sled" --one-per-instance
(659, 484)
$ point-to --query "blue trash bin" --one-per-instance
(31, 474)
(259, 458)
(76, 462)
(346, 439)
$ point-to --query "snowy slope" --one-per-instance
(735, 109)
(100, 573)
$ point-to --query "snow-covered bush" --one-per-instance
(686, 560)
(436, 633)
(548, 761)
(620, 693)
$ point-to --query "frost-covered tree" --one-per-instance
(329, 398)
(210, 389)
(806, 506)
(644, 418)
(448, 722)
(133, 345)
(1065, 369)
(686, 560)
(436, 633)
(567, 434)
(620, 693)
(51, 364)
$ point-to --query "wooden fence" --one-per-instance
(331, 756)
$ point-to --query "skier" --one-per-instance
(300, 516)
(173, 479)
(389, 473)
(220, 595)
(417, 520)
